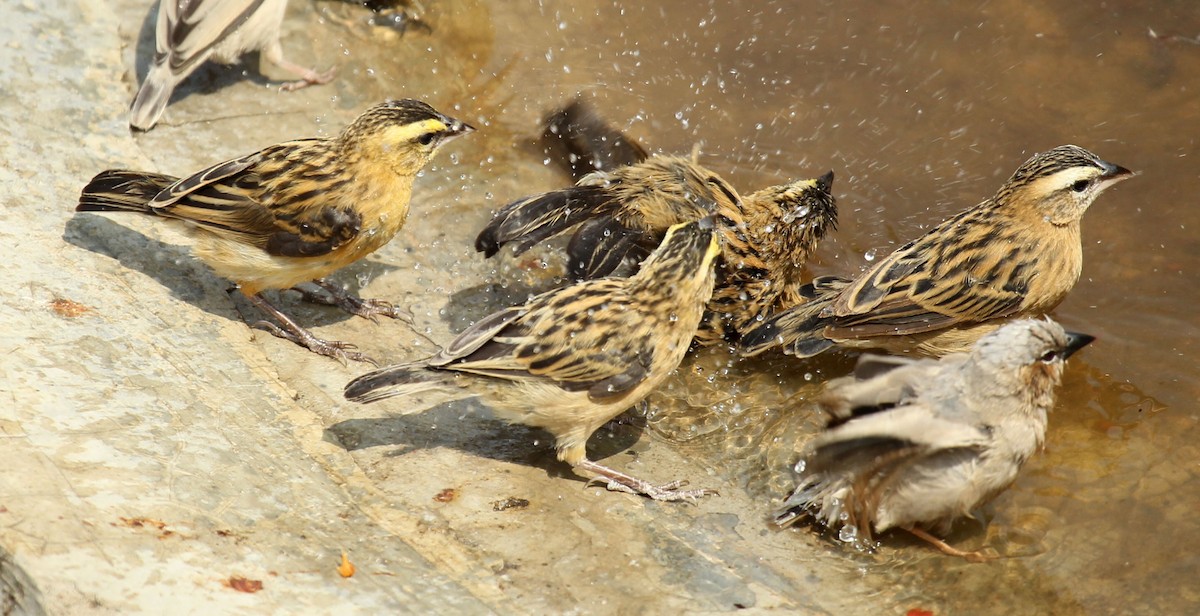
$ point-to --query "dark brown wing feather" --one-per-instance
(255, 199)
(940, 280)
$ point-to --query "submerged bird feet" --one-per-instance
(366, 308)
(620, 482)
(978, 556)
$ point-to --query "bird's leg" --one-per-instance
(975, 557)
(366, 308)
(308, 77)
(620, 482)
(291, 330)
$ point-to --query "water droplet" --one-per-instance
(870, 255)
(848, 534)
(800, 466)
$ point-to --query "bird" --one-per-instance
(916, 443)
(189, 32)
(621, 211)
(1014, 255)
(573, 358)
(590, 142)
(296, 211)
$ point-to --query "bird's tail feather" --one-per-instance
(152, 98)
(392, 381)
(121, 190)
(798, 330)
(535, 219)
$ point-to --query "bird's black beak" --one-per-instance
(825, 182)
(1075, 341)
(1116, 172)
(456, 128)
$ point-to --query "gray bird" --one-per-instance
(189, 32)
(920, 442)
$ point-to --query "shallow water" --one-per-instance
(920, 113)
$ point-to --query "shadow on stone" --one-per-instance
(192, 281)
(18, 594)
(456, 425)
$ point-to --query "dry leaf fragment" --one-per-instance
(242, 584)
(346, 569)
(69, 308)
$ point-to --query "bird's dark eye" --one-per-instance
(1049, 356)
(1081, 185)
(426, 138)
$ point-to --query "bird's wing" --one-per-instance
(591, 142)
(910, 430)
(880, 383)
(194, 26)
(244, 199)
(599, 246)
(931, 284)
(565, 338)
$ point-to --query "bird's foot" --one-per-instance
(978, 556)
(366, 308)
(620, 482)
(308, 77)
(341, 351)
(288, 329)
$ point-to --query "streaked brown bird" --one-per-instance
(573, 358)
(296, 211)
(623, 211)
(1014, 255)
(919, 443)
(189, 32)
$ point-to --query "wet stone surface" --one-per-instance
(157, 453)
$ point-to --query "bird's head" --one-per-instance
(1027, 355)
(1058, 185)
(686, 253)
(405, 133)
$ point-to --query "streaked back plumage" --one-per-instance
(1016, 254)
(572, 358)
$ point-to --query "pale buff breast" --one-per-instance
(254, 270)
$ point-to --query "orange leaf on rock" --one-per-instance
(346, 569)
(242, 584)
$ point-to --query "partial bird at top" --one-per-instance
(189, 32)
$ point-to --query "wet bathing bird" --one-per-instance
(590, 142)
(918, 443)
(1014, 255)
(296, 211)
(766, 237)
(571, 359)
(189, 32)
